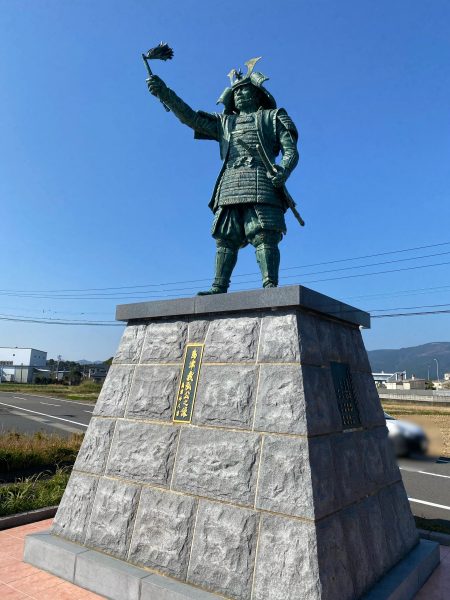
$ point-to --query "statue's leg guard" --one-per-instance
(226, 258)
(229, 234)
(268, 258)
(264, 227)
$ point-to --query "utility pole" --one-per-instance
(59, 357)
(437, 368)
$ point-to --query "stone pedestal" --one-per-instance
(283, 486)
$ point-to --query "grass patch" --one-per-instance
(33, 493)
(87, 390)
(20, 451)
(395, 411)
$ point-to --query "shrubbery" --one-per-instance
(20, 451)
(87, 390)
(33, 493)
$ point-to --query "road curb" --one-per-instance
(441, 538)
(27, 517)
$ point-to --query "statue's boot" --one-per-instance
(226, 259)
(268, 258)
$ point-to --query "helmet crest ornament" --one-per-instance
(250, 64)
(236, 75)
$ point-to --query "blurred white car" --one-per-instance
(407, 438)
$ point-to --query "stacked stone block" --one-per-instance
(263, 496)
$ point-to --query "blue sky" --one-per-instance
(101, 188)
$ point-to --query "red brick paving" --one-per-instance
(20, 581)
(438, 586)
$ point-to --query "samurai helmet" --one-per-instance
(238, 79)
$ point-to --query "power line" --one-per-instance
(398, 293)
(56, 291)
(329, 262)
(386, 262)
(378, 272)
(20, 319)
(46, 311)
(409, 307)
(414, 314)
(130, 295)
(79, 322)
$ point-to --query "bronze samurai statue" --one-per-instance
(249, 199)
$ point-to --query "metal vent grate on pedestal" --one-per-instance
(346, 397)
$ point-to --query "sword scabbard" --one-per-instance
(272, 169)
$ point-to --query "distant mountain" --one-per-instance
(90, 362)
(415, 360)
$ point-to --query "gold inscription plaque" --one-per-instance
(184, 405)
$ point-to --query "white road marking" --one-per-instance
(429, 503)
(424, 473)
(435, 474)
(43, 414)
(50, 398)
(63, 400)
(88, 411)
(48, 404)
(60, 426)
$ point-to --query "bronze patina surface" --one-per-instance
(250, 197)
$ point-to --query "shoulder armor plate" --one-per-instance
(287, 122)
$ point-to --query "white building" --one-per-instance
(406, 384)
(21, 364)
(23, 356)
(381, 378)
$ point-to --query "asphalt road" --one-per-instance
(28, 413)
(427, 482)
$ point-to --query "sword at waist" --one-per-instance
(271, 168)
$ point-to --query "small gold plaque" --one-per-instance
(184, 405)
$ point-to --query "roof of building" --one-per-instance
(21, 348)
(382, 373)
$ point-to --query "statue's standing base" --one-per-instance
(283, 486)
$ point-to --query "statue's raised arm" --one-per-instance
(250, 198)
(203, 124)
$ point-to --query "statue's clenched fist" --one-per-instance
(156, 85)
(279, 179)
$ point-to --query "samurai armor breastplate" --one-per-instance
(244, 179)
